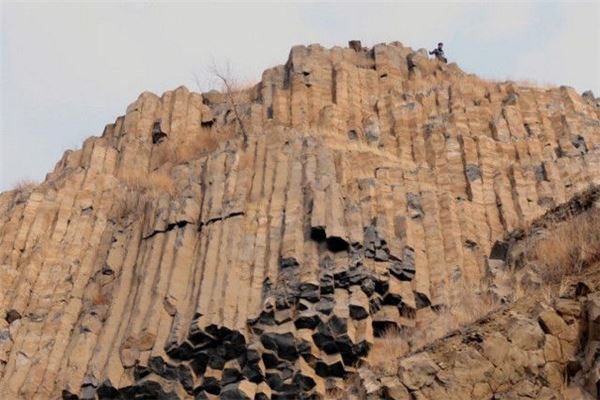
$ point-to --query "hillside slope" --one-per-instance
(171, 258)
(541, 341)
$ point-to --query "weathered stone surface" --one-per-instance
(394, 389)
(417, 371)
(552, 323)
(171, 257)
(242, 390)
(511, 361)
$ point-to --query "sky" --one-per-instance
(69, 68)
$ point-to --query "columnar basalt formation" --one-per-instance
(172, 259)
(543, 345)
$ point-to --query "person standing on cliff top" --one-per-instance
(439, 52)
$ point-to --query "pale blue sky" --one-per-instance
(68, 69)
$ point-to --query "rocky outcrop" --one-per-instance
(170, 258)
(539, 342)
(532, 350)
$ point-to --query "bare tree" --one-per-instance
(230, 88)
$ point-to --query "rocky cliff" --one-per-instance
(256, 244)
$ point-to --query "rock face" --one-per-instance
(520, 353)
(544, 345)
(170, 259)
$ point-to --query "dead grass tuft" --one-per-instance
(129, 204)
(567, 247)
(524, 83)
(337, 394)
(387, 349)
(139, 190)
(396, 343)
(472, 307)
(24, 185)
(533, 83)
(469, 308)
(180, 153)
(154, 183)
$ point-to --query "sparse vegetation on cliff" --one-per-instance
(174, 153)
(351, 232)
(153, 183)
(567, 247)
(24, 185)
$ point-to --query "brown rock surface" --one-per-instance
(167, 258)
(485, 361)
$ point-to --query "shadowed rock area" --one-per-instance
(175, 258)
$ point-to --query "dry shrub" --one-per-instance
(395, 343)
(567, 247)
(246, 85)
(472, 307)
(534, 84)
(241, 92)
(387, 349)
(24, 185)
(337, 394)
(526, 83)
(465, 310)
(153, 183)
(130, 203)
(140, 189)
(441, 323)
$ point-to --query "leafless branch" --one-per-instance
(230, 89)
